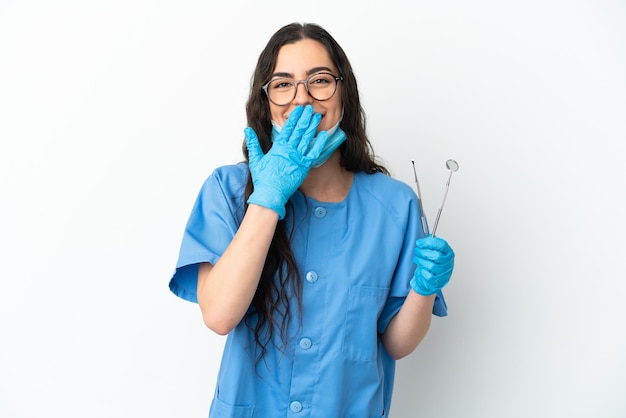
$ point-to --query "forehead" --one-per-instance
(299, 57)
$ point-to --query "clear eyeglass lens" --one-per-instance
(320, 86)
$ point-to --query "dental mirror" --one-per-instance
(452, 166)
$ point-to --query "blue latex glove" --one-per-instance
(435, 261)
(278, 174)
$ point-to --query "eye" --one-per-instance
(281, 84)
(321, 79)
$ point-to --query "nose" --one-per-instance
(302, 95)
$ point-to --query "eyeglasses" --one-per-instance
(320, 86)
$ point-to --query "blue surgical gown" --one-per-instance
(355, 258)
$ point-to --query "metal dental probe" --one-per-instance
(419, 195)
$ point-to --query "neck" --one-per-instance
(328, 183)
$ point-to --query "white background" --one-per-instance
(112, 113)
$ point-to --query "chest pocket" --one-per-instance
(363, 307)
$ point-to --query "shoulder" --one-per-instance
(231, 179)
(226, 184)
(385, 188)
(389, 195)
(231, 174)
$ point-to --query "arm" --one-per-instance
(224, 302)
(410, 325)
(226, 289)
(435, 261)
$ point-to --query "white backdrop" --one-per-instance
(112, 113)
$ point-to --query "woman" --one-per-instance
(304, 254)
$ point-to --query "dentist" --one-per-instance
(309, 256)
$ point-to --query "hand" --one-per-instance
(435, 261)
(278, 174)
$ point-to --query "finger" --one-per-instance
(305, 141)
(255, 153)
(434, 268)
(434, 256)
(434, 243)
(423, 263)
(303, 124)
(290, 123)
(427, 275)
(440, 278)
(444, 273)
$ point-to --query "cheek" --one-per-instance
(277, 114)
(331, 118)
(326, 124)
(332, 113)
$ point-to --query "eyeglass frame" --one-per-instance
(306, 87)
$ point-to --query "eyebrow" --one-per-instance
(308, 73)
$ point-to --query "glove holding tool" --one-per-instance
(433, 256)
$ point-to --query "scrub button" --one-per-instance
(305, 343)
(311, 277)
(295, 406)
(320, 212)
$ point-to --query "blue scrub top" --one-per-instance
(355, 258)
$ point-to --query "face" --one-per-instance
(298, 61)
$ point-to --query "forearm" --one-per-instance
(410, 325)
(226, 289)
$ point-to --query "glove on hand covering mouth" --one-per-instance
(336, 137)
(278, 174)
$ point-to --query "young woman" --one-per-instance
(308, 255)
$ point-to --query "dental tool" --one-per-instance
(419, 195)
(452, 166)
